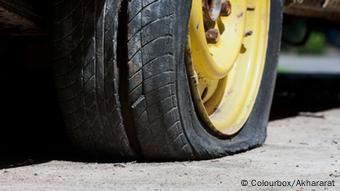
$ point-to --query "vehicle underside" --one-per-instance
(30, 17)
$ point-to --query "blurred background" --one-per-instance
(31, 123)
(309, 67)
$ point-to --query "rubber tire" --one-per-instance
(85, 60)
(167, 125)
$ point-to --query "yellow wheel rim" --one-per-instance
(226, 60)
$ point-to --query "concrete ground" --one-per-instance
(301, 149)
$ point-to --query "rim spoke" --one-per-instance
(202, 87)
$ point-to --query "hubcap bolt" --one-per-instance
(212, 35)
(225, 8)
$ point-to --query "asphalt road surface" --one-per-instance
(299, 149)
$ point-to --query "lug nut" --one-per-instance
(208, 23)
(225, 8)
(212, 35)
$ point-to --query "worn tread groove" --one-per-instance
(143, 117)
(143, 8)
(152, 22)
(95, 121)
